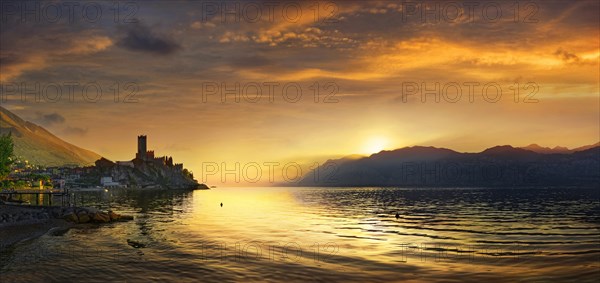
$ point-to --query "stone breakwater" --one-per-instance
(19, 223)
(21, 215)
(11, 215)
(90, 215)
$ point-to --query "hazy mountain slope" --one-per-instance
(557, 149)
(546, 150)
(428, 166)
(586, 147)
(40, 147)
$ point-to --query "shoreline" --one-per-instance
(23, 223)
(23, 232)
(138, 188)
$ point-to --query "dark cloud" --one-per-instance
(75, 131)
(566, 56)
(141, 38)
(50, 119)
(53, 119)
(9, 60)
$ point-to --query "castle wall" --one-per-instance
(148, 155)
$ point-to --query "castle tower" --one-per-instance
(142, 148)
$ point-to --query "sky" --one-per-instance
(220, 82)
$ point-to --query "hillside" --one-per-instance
(146, 174)
(40, 147)
(429, 166)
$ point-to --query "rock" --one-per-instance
(71, 217)
(55, 214)
(91, 210)
(66, 210)
(84, 218)
(113, 216)
(101, 217)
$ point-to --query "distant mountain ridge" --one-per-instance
(557, 149)
(40, 147)
(430, 166)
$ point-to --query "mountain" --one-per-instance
(586, 147)
(557, 149)
(40, 147)
(546, 150)
(429, 166)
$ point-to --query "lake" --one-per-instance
(325, 234)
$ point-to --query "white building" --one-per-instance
(108, 182)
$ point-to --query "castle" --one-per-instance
(145, 155)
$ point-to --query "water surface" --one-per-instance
(326, 234)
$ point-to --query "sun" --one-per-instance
(375, 145)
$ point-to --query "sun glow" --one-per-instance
(375, 145)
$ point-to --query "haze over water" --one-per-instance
(326, 234)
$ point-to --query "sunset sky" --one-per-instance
(367, 53)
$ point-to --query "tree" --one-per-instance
(20, 184)
(6, 155)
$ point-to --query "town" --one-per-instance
(143, 171)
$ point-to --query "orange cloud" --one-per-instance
(18, 64)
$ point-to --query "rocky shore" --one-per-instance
(19, 223)
(86, 215)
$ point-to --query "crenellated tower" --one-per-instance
(142, 148)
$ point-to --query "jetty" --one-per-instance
(66, 198)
